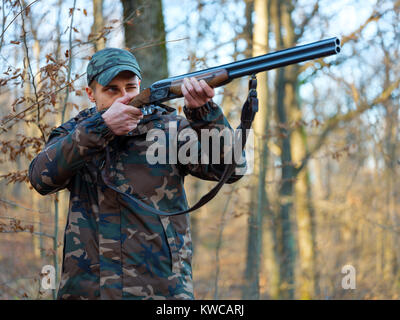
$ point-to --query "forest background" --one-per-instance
(322, 202)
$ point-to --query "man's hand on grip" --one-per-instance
(122, 118)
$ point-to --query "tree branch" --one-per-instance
(334, 121)
(306, 20)
(35, 233)
(69, 62)
(23, 9)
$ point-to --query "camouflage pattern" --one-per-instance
(114, 249)
(107, 63)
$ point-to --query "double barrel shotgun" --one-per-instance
(170, 88)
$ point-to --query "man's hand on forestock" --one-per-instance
(122, 118)
(196, 93)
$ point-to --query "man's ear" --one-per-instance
(90, 93)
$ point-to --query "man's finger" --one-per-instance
(207, 89)
(190, 101)
(134, 112)
(199, 90)
(125, 99)
(190, 89)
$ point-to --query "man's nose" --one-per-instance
(123, 92)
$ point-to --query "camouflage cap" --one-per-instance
(107, 63)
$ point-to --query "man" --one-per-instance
(113, 248)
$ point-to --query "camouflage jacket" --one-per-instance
(113, 249)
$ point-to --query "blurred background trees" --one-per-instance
(323, 192)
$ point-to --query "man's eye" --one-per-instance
(131, 88)
(112, 89)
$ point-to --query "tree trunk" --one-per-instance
(98, 25)
(302, 201)
(285, 236)
(255, 224)
(145, 37)
(390, 161)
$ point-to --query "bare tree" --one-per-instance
(145, 37)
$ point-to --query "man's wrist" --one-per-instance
(199, 112)
(98, 125)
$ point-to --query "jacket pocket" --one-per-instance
(172, 243)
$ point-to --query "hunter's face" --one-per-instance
(125, 82)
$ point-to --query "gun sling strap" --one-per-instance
(249, 110)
